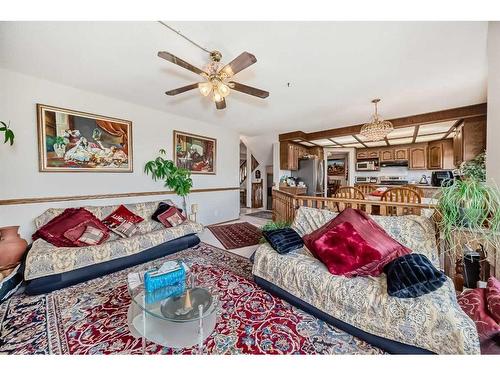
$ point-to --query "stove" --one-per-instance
(393, 180)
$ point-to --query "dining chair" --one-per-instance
(401, 195)
(349, 192)
(419, 190)
(366, 188)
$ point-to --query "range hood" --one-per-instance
(394, 163)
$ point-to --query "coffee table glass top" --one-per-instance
(187, 305)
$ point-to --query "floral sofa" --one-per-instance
(49, 268)
(433, 323)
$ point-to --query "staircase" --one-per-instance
(243, 169)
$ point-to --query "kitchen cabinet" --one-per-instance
(418, 157)
(400, 153)
(291, 153)
(440, 154)
(387, 154)
(469, 140)
(363, 154)
(373, 153)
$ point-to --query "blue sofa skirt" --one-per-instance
(50, 283)
(387, 345)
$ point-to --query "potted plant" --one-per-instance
(8, 133)
(177, 179)
(471, 205)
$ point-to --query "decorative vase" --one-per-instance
(12, 247)
(60, 149)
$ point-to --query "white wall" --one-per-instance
(493, 151)
(152, 130)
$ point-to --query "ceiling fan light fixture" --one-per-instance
(205, 88)
(378, 128)
(223, 89)
(217, 96)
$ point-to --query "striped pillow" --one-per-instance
(283, 240)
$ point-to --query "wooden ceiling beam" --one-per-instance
(360, 141)
(455, 125)
(415, 133)
(338, 144)
(402, 122)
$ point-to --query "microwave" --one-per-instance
(369, 165)
(366, 180)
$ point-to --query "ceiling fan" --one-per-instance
(217, 81)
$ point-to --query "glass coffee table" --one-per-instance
(178, 321)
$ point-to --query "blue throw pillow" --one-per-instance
(412, 275)
(283, 240)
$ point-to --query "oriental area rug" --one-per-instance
(237, 235)
(91, 317)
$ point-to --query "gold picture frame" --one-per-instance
(196, 153)
(74, 141)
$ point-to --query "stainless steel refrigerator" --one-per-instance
(312, 173)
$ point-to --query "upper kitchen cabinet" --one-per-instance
(469, 140)
(400, 153)
(387, 154)
(418, 157)
(291, 152)
(440, 154)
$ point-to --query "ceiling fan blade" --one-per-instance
(180, 90)
(221, 104)
(238, 64)
(248, 90)
(174, 59)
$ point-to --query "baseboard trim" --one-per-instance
(17, 201)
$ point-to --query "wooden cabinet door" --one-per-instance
(373, 154)
(362, 154)
(401, 154)
(435, 160)
(387, 155)
(418, 157)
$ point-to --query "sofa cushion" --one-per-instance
(411, 276)
(54, 230)
(171, 217)
(92, 236)
(342, 250)
(371, 232)
(74, 234)
(473, 303)
(162, 207)
(123, 222)
(283, 240)
(493, 298)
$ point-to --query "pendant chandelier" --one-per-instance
(378, 128)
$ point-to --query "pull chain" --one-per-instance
(185, 37)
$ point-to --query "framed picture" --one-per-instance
(195, 152)
(72, 141)
(336, 167)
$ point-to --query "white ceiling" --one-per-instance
(334, 68)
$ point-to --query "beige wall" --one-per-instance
(493, 149)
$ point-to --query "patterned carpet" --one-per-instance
(237, 235)
(268, 215)
(91, 318)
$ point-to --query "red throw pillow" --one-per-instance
(120, 215)
(55, 229)
(74, 234)
(370, 232)
(473, 303)
(493, 298)
(171, 217)
(343, 250)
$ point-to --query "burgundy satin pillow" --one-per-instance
(369, 231)
(54, 230)
(493, 298)
(473, 303)
(343, 250)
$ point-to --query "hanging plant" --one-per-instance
(177, 179)
(8, 133)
